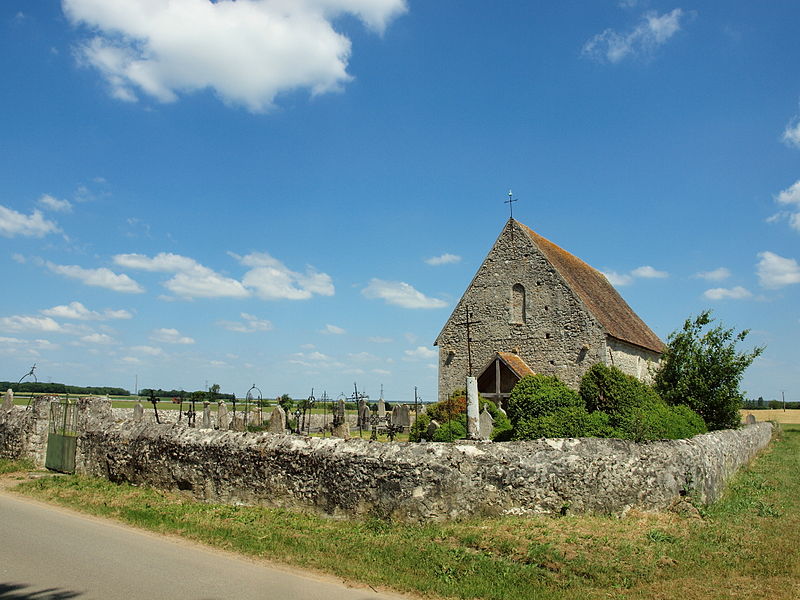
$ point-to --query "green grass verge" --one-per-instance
(744, 546)
(15, 466)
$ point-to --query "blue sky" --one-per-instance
(296, 193)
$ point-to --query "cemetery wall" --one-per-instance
(417, 482)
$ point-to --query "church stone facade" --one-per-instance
(535, 308)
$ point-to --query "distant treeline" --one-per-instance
(767, 404)
(159, 393)
(33, 387)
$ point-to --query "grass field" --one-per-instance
(745, 546)
(790, 416)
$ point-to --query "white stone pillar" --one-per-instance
(473, 416)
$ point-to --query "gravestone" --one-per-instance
(340, 416)
(8, 400)
(277, 420)
(750, 419)
(138, 411)
(206, 414)
(363, 415)
(223, 420)
(486, 422)
(238, 422)
(433, 427)
(381, 409)
(342, 430)
(401, 416)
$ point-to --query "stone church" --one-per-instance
(532, 307)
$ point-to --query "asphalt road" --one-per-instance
(49, 553)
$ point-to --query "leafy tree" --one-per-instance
(286, 403)
(702, 369)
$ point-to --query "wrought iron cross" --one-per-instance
(510, 202)
(467, 323)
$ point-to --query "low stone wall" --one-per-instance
(419, 482)
(23, 431)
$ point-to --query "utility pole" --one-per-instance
(783, 397)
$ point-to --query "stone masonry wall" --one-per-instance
(405, 481)
(631, 359)
(558, 336)
(418, 482)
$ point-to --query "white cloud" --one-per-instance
(617, 279)
(13, 223)
(776, 271)
(164, 262)
(50, 203)
(191, 279)
(149, 350)
(718, 274)
(401, 294)
(653, 31)
(98, 338)
(206, 284)
(790, 196)
(333, 330)
(381, 372)
(643, 272)
(443, 259)
(246, 52)
(270, 279)
(16, 347)
(77, 311)
(421, 353)
(791, 135)
(102, 277)
(648, 272)
(170, 336)
(735, 293)
(30, 323)
(249, 324)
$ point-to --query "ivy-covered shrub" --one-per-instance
(565, 421)
(535, 396)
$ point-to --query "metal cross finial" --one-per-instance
(510, 202)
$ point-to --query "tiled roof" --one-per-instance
(599, 296)
(516, 364)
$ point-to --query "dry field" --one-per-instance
(791, 415)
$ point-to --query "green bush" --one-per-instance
(537, 395)
(659, 422)
(419, 429)
(610, 390)
(452, 430)
(501, 431)
(565, 421)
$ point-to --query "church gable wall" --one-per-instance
(520, 303)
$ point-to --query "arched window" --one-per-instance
(518, 308)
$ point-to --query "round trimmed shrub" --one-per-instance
(537, 395)
(565, 421)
